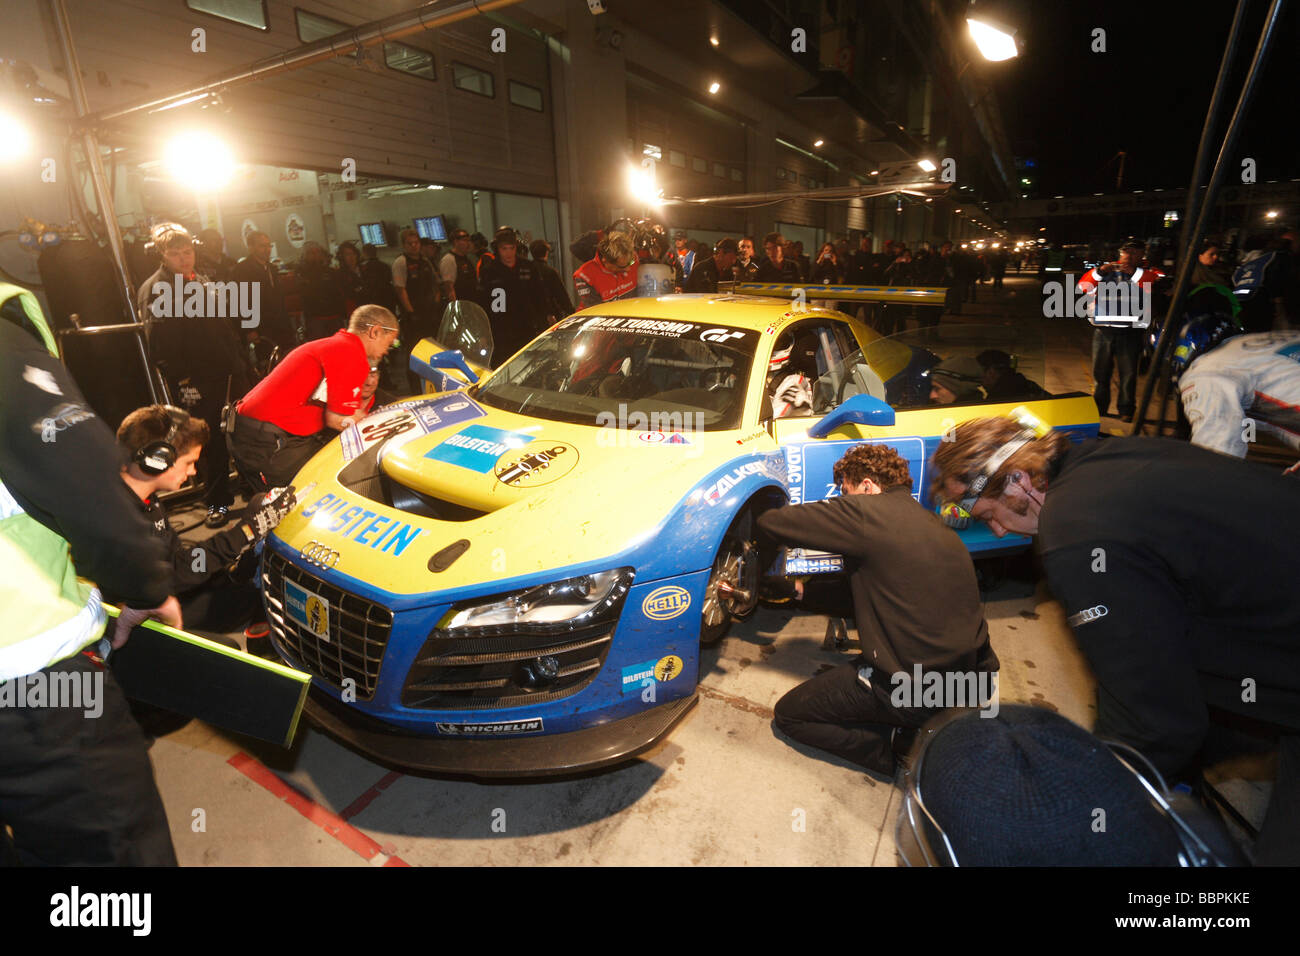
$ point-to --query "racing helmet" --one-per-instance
(1199, 334)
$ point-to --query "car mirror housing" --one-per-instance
(450, 359)
(859, 410)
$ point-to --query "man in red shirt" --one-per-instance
(314, 393)
(610, 274)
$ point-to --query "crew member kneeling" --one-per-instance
(915, 599)
(315, 392)
(163, 443)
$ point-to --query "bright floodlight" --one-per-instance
(1271, 214)
(817, 145)
(200, 160)
(641, 184)
(928, 166)
(715, 86)
(994, 42)
(15, 141)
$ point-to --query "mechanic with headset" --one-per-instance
(76, 787)
(610, 274)
(313, 393)
(162, 444)
(901, 558)
(1176, 568)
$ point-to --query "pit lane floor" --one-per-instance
(723, 789)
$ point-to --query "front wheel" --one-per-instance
(732, 591)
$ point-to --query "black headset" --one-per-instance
(160, 455)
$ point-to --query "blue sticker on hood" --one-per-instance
(477, 447)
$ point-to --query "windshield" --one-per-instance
(969, 363)
(638, 370)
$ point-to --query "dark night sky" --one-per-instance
(1147, 94)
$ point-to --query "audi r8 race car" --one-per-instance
(516, 577)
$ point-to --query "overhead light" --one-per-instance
(996, 41)
(641, 184)
(874, 172)
(15, 140)
(956, 210)
(713, 41)
(817, 143)
(715, 86)
(433, 187)
(928, 166)
(1271, 214)
(199, 159)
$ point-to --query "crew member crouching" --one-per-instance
(162, 444)
(917, 606)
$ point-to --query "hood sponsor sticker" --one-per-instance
(406, 421)
(663, 438)
(478, 447)
(666, 603)
(532, 725)
(340, 516)
(636, 678)
(545, 462)
(307, 609)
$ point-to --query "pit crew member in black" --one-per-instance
(76, 786)
(1177, 569)
(900, 559)
(161, 444)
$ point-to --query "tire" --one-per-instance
(735, 564)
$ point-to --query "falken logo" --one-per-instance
(714, 493)
(666, 603)
(533, 725)
(1088, 616)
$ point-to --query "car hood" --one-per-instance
(517, 495)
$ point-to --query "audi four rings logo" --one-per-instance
(319, 555)
(1088, 616)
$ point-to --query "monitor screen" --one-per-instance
(373, 233)
(432, 227)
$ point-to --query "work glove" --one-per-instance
(275, 504)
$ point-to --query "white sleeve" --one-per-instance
(399, 272)
(447, 267)
(1215, 411)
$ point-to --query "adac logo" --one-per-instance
(549, 462)
(666, 603)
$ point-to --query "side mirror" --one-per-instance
(441, 381)
(859, 409)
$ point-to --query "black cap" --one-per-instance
(726, 245)
(995, 358)
(1024, 788)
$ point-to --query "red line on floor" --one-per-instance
(327, 820)
(363, 801)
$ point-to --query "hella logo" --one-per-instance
(665, 603)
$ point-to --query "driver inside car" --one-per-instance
(790, 374)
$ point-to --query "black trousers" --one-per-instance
(220, 606)
(268, 457)
(214, 460)
(835, 712)
(1112, 348)
(79, 790)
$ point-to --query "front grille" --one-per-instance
(358, 629)
(476, 673)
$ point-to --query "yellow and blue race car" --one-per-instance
(515, 576)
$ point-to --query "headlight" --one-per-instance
(560, 605)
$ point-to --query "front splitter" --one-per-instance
(542, 755)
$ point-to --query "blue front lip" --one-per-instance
(638, 639)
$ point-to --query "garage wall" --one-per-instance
(392, 123)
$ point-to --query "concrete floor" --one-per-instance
(723, 789)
